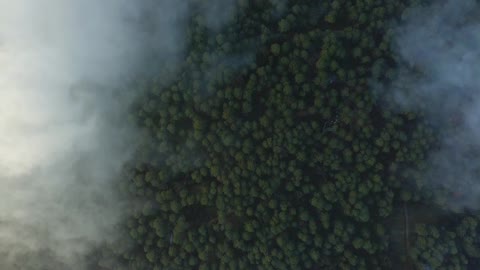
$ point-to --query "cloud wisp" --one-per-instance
(438, 48)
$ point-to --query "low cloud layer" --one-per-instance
(64, 136)
(438, 48)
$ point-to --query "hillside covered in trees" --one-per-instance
(271, 149)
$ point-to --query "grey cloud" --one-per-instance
(439, 50)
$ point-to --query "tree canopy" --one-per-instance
(269, 150)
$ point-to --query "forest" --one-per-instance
(270, 149)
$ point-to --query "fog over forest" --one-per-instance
(239, 134)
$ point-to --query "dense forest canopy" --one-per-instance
(272, 148)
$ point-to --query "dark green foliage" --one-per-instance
(270, 151)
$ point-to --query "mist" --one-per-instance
(438, 51)
(63, 109)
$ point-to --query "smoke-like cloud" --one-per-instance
(63, 111)
(438, 48)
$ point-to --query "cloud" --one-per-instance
(438, 50)
(63, 106)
